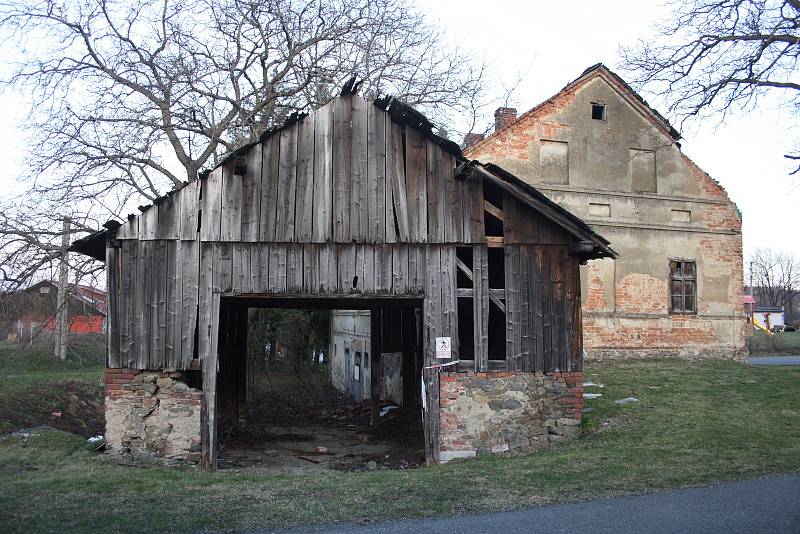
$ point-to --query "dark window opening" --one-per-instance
(598, 111)
(497, 332)
(497, 275)
(464, 254)
(682, 286)
(493, 227)
(466, 329)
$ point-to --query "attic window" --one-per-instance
(598, 111)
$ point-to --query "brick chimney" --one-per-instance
(503, 117)
(472, 139)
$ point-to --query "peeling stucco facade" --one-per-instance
(600, 169)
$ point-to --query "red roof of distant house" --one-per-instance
(748, 299)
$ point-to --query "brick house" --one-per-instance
(30, 313)
(599, 150)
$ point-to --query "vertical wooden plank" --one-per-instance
(396, 177)
(205, 298)
(416, 185)
(251, 194)
(323, 174)
(172, 306)
(537, 315)
(480, 306)
(368, 254)
(211, 206)
(432, 320)
(209, 408)
(449, 303)
(231, 221)
(376, 174)
(240, 268)
(141, 327)
(576, 333)
(129, 262)
(435, 194)
(359, 187)
(383, 269)
(400, 273)
(168, 225)
(547, 310)
(277, 268)
(453, 212)
(304, 212)
(158, 305)
(223, 267)
(287, 185)
(342, 167)
(113, 290)
(310, 268)
(416, 269)
(190, 274)
(294, 268)
(472, 203)
(346, 266)
(188, 199)
(148, 223)
(328, 273)
(270, 161)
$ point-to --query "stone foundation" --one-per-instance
(152, 416)
(491, 413)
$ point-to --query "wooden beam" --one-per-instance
(495, 242)
(492, 209)
(496, 299)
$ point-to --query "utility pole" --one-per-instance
(62, 328)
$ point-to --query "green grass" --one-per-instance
(34, 384)
(779, 343)
(707, 421)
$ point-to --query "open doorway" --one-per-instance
(312, 385)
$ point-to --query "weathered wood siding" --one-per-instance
(343, 202)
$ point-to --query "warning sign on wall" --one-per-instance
(443, 350)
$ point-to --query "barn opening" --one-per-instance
(307, 385)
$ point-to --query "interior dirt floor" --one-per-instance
(295, 428)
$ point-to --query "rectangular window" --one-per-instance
(643, 170)
(598, 111)
(683, 216)
(599, 210)
(682, 286)
(554, 162)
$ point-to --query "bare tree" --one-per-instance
(131, 98)
(716, 56)
(776, 278)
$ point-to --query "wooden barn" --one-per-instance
(357, 205)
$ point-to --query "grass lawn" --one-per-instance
(696, 423)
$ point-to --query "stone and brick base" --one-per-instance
(152, 416)
(500, 412)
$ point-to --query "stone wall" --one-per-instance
(152, 416)
(498, 412)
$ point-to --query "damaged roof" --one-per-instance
(94, 244)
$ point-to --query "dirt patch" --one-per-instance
(291, 430)
(71, 406)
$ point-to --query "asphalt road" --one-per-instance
(774, 360)
(762, 505)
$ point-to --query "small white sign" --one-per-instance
(443, 351)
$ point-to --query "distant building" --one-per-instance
(769, 316)
(30, 313)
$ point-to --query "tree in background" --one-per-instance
(775, 279)
(130, 99)
(719, 56)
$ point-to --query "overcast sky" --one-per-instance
(552, 43)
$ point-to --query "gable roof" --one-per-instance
(595, 246)
(597, 70)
